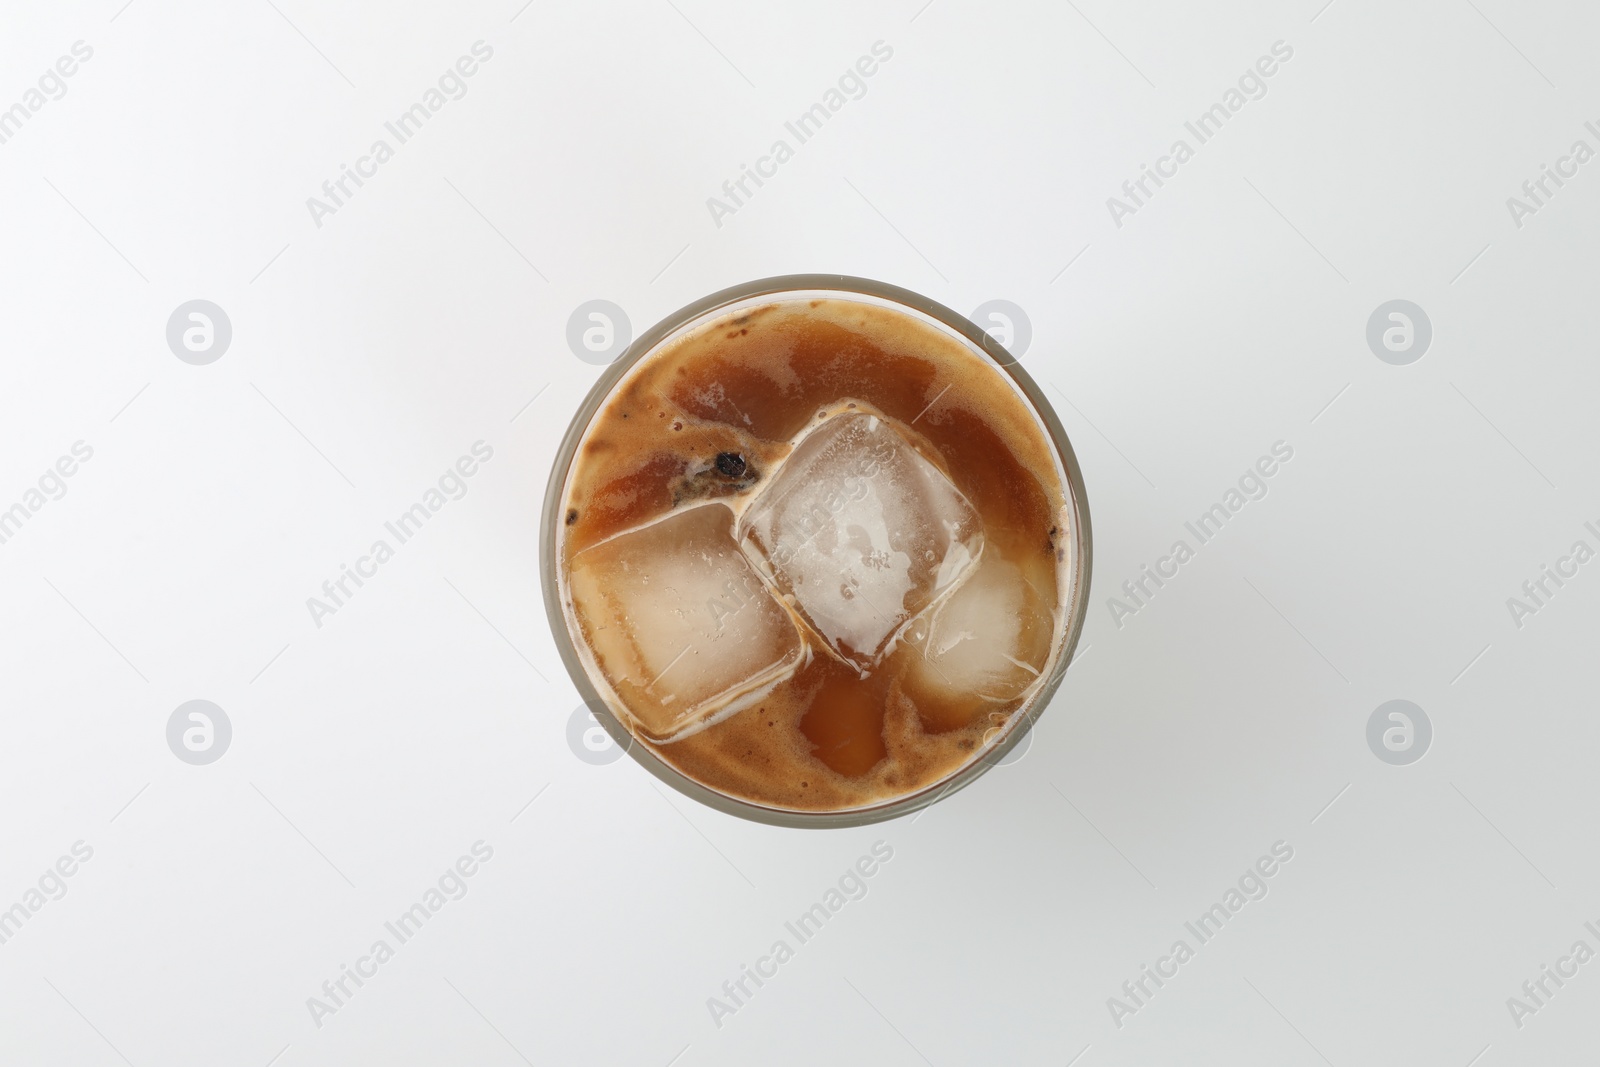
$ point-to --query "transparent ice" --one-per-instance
(859, 533)
(679, 622)
(988, 640)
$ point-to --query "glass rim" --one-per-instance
(703, 309)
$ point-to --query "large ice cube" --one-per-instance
(983, 646)
(859, 532)
(682, 627)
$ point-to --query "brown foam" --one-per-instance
(750, 383)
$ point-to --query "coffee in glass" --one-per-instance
(819, 547)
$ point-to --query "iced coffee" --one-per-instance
(817, 554)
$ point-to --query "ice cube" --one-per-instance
(859, 532)
(680, 624)
(982, 646)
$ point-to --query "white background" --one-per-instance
(372, 351)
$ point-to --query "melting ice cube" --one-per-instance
(859, 532)
(983, 646)
(680, 624)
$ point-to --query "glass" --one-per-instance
(803, 287)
